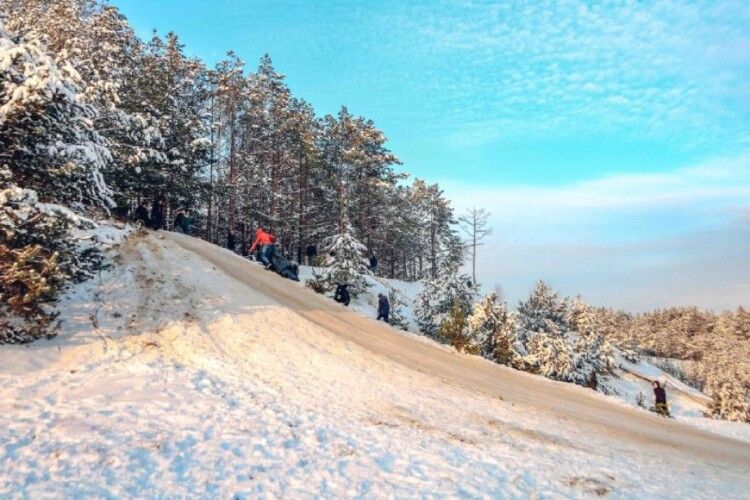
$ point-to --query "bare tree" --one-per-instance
(475, 224)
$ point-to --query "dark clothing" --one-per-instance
(179, 223)
(661, 395)
(342, 295)
(141, 215)
(281, 265)
(373, 263)
(311, 252)
(384, 308)
(186, 225)
(157, 216)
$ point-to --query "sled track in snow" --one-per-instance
(627, 428)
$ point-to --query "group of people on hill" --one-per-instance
(156, 218)
(264, 244)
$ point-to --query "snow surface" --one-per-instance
(170, 378)
(686, 404)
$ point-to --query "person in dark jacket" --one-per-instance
(179, 222)
(342, 294)
(187, 223)
(157, 215)
(373, 263)
(384, 307)
(660, 399)
(311, 252)
(141, 215)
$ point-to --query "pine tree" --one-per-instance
(47, 139)
(551, 356)
(453, 331)
(346, 262)
(439, 296)
(483, 324)
(397, 303)
(729, 398)
(542, 312)
(508, 348)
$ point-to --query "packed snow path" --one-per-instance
(189, 371)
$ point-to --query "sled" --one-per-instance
(284, 267)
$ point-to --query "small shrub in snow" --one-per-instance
(317, 283)
(640, 400)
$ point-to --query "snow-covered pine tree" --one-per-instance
(346, 262)
(551, 356)
(47, 138)
(508, 349)
(729, 397)
(453, 332)
(439, 296)
(47, 142)
(492, 328)
(483, 323)
(542, 312)
(588, 343)
(397, 303)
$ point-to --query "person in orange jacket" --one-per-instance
(266, 242)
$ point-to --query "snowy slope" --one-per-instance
(172, 378)
(633, 379)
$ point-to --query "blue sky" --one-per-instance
(610, 141)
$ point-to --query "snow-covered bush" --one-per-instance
(38, 255)
(317, 283)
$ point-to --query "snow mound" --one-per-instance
(171, 378)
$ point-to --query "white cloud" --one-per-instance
(637, 241)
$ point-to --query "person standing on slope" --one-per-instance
(660, 399)
(311, 252)
(342, 295)
(266, 242)
(373, 263)
(141, 215)
(384, 307)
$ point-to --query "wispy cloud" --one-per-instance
(637, 241)
(665, 69)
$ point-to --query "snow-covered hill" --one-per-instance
(631, 383)
(190, 374)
